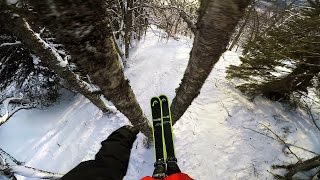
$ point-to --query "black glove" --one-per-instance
(111, 161)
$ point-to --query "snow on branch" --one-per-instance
(17, 168)
(33, 173)
(7, 114)
(62, 62)
(10, 44)
(11, 2)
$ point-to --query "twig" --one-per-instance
(308, 108)
(289, 144)
(276, 176)
(226, 110)
(281, 141)
(181, 12)
(12, 158)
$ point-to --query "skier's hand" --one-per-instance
(132, 129)
(125, 135)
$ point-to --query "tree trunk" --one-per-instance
(83, 28)
(141, 23)
(216, 22)
(21, 29)
(128, 26)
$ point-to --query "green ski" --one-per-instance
(167, 129)
(160, 166)
(170, 157)
(166, 161)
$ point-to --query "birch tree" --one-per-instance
(53, 60)
(216, 22)
(85, 31)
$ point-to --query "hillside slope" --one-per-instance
(219, 137)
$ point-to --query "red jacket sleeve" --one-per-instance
(148, 178)
(178, 176)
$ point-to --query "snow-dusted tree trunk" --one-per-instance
(83, 28)
(216, 22)
(33, 42)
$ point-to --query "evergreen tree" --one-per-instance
(286, 61)
(23, 73)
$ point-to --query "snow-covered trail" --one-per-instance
(214, 139)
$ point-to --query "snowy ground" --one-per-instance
(217, 138)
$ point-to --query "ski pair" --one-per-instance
(166, 162)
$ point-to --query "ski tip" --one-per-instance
(154, 101)
(163, 98)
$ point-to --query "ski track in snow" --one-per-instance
(213, 139)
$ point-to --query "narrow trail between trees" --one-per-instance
(219, 137)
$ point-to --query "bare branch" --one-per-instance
(289, 144)
(309, 111)
(181, 12)
(281, 140)
(10, 157)
(299, 167)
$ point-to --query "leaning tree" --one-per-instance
(85, 32)
(216, 22)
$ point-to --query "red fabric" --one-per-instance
(177, 176)
(148, 178)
